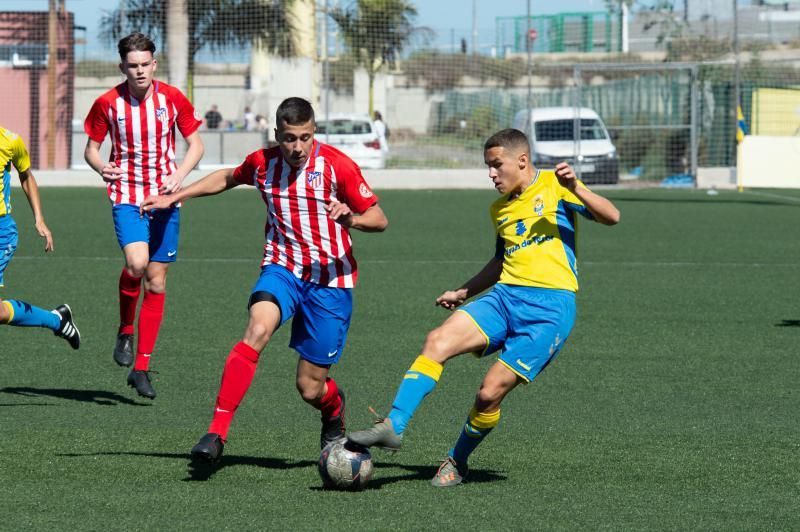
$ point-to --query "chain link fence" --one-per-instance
(644, 94)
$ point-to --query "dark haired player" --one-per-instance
(314, 196)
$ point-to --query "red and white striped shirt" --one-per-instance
(299, 234)
(142, 136)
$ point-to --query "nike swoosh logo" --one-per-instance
(332, 353)
(171, 253)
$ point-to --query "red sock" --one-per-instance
(331, 403)
(150, 319)
(236, 378)
(129, 288)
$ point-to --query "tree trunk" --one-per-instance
(178, 46)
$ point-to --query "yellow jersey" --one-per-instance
(536, 234)
(12, 151)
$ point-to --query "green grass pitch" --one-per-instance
(673, 406)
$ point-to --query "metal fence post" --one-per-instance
(693, 136)
(576, 129)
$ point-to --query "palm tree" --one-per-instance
(213, 24)
(375, 32)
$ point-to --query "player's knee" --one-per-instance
(489, 398)
(136, 268)
(258, 334)
(438, 346)
(310, 389)
(4, 314)
(157, 285)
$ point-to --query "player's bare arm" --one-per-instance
(602, 209)
(373, 220)
(31, 189)
(487, 277)
(214, 183)
(194, 153)
(109, 171)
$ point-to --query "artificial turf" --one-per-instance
(673, 405)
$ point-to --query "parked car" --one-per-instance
(354, 135)
(551, 131)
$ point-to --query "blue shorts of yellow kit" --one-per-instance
(529, 324)
(321, 313)
(8, 243)
(159, 228)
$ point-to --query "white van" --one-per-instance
(551, 131)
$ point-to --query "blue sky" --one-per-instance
(449, 18)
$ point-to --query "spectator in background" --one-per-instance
(262, 124)
(381, 130)
(250, 122)
(213, 117)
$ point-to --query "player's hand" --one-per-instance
(111, 172)
(44, 232)
(566, 176)
(339, 213)
(152, 203)
(171, 185)
(452, 299)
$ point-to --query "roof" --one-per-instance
(559, 113)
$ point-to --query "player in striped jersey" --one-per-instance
(314, 195)
(13, 311)
(528, 311)
(141, 115)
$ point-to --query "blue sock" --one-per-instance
(26, 315)
(419, 381)
(477, 427)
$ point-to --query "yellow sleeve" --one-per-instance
(20, 157)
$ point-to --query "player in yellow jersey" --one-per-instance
(14, 311)
(529, 311)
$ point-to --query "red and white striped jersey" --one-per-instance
(142, 136)
(299, 234)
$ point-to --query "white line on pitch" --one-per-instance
(256, 260)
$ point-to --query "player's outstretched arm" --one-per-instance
(373, 220)
(31, 189)
(214, 183)
(488, 276)
(602, 209)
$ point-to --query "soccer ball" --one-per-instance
(345, 466)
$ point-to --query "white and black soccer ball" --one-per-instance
(345, 466)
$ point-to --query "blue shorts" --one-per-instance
(321, 313)
(8, 242)
(529, 324)
(159, 228)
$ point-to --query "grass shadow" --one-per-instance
(420, 472)
(98, 397)
(202, 471)
(788, 323)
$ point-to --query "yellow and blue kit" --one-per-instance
(12, 152)
(530, 312)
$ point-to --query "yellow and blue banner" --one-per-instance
(741, 126)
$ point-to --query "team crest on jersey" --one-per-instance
(314, 179)
(364, 191)
(538, 205)
(161, 114)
